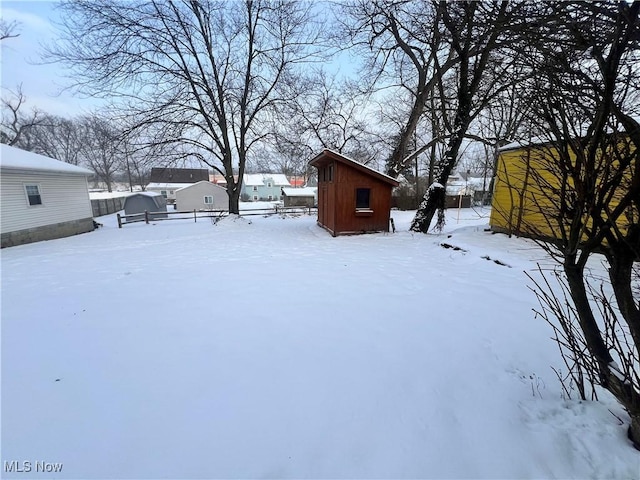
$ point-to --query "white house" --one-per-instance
(167, 181)
(202, 196)
(263, 186)
(41, 198)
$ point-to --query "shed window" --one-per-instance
(33, 194)
(362, 197)
(208, 199)
(330, 173)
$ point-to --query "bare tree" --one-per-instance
(8, 29)
(587, 180)
(323, 113)
(100, 147)
(203, 73)
(16, 124)
(406, 52)
(58, 137)
(475, 32)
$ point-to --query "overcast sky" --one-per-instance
(42, 84)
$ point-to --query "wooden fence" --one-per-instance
(212, 215)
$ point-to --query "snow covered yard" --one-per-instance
(265, 348)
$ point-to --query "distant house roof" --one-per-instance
(256, 179)
(300, 192)
(12, 158)
(168, 186)
(146, 194)
(328, 155)
(213, 185)
(297, 181)
(178, 175)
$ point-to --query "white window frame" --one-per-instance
(164, 193)
(208, 199)
(26, 193)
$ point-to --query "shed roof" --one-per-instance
(12, 158)
(328, 155)
(300, 192)
(178, 175)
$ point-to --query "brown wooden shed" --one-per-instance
(352, 198)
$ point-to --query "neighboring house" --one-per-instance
(138, 203)
(167, 181)
(41, 198)
(297, 181)
(263, 186)
(202, 196)
(352, 198)
(300, 197)
(465, 190)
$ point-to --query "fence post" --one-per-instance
(146, 217)
(195, 218)
(119, 221)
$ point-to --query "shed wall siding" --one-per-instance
(64, 199)
(347, 181)
(519, 205)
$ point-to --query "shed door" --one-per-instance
(323, 205)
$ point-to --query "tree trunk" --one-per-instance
(233, 190)
(634, 430)
(433, 201)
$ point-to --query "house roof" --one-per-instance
(169, 186)
(12, 158)
(327, 155)
(178, 175)
(300, 192)
(257, 179)
(145, 194)
(213, 185)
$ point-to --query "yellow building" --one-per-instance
(530, 183)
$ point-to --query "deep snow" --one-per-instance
(265, 348)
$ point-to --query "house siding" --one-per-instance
(192, 198)
(65, 198)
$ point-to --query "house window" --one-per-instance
(268, 184)
(163, 193)
(33, 194)
(362, 197)
(255, 189)
(208, 200)
(255, 198)
(270, 197)
(170, 192)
